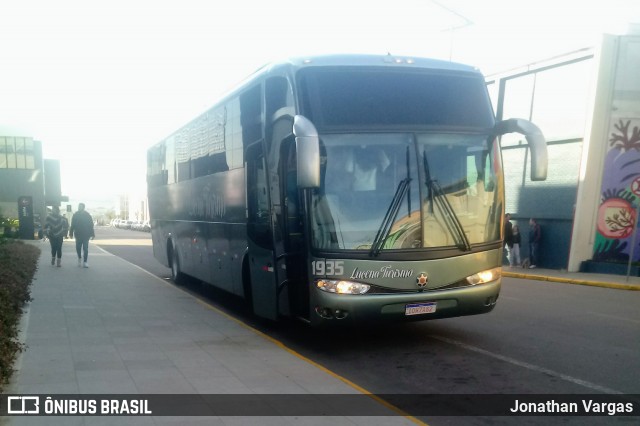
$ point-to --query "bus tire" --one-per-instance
(176, 274)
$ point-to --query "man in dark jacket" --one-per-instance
(535, 235)
(82, 229)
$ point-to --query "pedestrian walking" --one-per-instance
(515, 251)
(55, 229)
(535, 235)
(508, 238)
(82, 229)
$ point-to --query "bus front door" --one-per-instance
(263, 287)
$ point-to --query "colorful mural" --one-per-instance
(617, 213)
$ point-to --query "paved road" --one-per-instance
(542, 338)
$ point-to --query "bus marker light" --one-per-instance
(325, 313)
(340, 314)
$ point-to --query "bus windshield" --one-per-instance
(383, 98)
(389, 191)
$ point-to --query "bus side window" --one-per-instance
(258, 202)
(251, 115)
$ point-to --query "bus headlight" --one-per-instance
(342, 287)
(484, 276)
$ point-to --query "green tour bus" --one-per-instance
(341, 189)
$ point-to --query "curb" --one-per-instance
(571, 281)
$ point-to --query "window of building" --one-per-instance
(3, 153)
(29, 154)
(561, 100)
(17, 153)
(554, 98)
(518, 93)
(20, 159)
(11, 153)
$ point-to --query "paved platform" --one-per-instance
(114, 328)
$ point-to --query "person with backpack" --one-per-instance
(55, 229)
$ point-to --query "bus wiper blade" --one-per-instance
(451, 218)
(389, 217)
(439, 198)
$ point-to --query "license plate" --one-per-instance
(420, 308)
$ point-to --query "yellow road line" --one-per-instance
(571, 281)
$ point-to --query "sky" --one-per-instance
(99, 82)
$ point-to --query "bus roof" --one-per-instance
(346, 60)
(367, 60)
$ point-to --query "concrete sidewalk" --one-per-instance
(619, 282)
(114, 328)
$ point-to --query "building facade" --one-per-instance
(605, 229)
(26, 175)
(587, 105)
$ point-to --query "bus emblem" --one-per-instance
(422, 280)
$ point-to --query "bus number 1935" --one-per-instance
(328, 267)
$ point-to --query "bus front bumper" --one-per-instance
(330, 308)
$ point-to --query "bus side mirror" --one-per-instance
(308, 152)
(535, 138)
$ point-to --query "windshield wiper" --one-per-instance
(389, 217)
(438, 197)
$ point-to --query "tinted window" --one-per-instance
(233, 135)
(156, 167)
(251, 115)
(383, 97)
